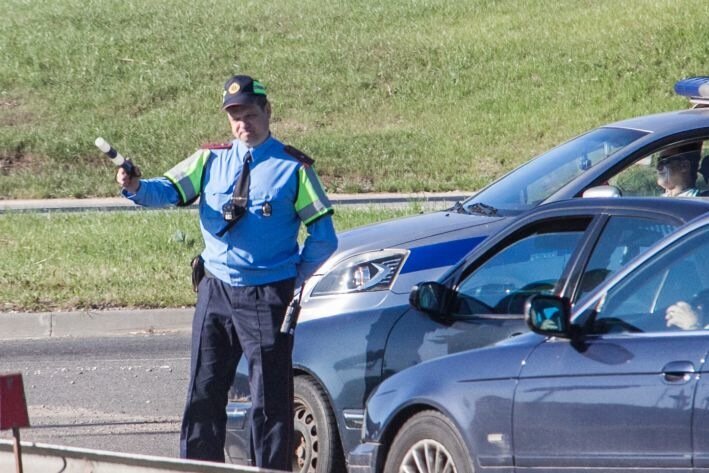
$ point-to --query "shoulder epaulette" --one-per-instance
(299, 155)
(226, 145)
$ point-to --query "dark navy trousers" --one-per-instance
(230, 322)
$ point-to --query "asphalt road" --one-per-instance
(121, 394)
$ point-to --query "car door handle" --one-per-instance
(678, 371)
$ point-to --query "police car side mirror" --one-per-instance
(602, 191)
(431, 298)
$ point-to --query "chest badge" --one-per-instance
(266, 209)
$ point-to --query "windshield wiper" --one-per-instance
(458, 207)
(482, 209)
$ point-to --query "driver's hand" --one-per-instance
(681, 315)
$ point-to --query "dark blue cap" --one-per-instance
(242, 90)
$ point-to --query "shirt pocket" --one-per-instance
(272, 204)
(211, 212)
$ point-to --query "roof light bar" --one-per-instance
(696, 89)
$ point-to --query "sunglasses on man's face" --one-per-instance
(662, 163)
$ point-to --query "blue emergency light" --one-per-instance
(694, 88)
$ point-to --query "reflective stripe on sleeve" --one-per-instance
(187, 176)
(312, 202)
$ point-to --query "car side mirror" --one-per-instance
(548, 315)
(431, 298)
(602, 191)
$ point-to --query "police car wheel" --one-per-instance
(317, 443)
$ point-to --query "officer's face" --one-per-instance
(250, 123)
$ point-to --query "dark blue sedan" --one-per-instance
(614, 386)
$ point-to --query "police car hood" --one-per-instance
(424, 230)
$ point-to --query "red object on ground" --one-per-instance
(13, 406)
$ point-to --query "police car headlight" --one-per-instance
(372, 271)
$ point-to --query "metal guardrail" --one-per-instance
(439, 200)
(43, 458)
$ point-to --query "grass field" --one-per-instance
(94, 260)
(403, 95)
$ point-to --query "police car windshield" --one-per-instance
(532, 183)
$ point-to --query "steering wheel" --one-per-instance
(514, 303)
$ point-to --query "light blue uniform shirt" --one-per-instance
(259, 248)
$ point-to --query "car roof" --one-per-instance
(667, 122)
(683, 208)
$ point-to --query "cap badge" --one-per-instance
(266, 209)
(233, 88)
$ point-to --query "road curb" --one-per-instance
(17, 325)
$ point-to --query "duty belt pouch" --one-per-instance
(197, 271)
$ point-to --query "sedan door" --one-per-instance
(621, 394)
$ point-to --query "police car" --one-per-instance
(356, 316)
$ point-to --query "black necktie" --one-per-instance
(241, 189)
(236, 208)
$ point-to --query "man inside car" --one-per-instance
(677, 170)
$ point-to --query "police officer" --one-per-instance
(255, 192)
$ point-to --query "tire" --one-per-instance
(317, 447)
(428, 443)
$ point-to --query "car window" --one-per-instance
(622, 239)
(530, 265)
(641, 180)
(532, 183)
(641, 302)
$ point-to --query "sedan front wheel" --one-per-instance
(428, 443)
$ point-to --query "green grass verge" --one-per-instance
(403, 95)
(94, 260)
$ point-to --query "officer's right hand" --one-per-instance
(126, 181)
